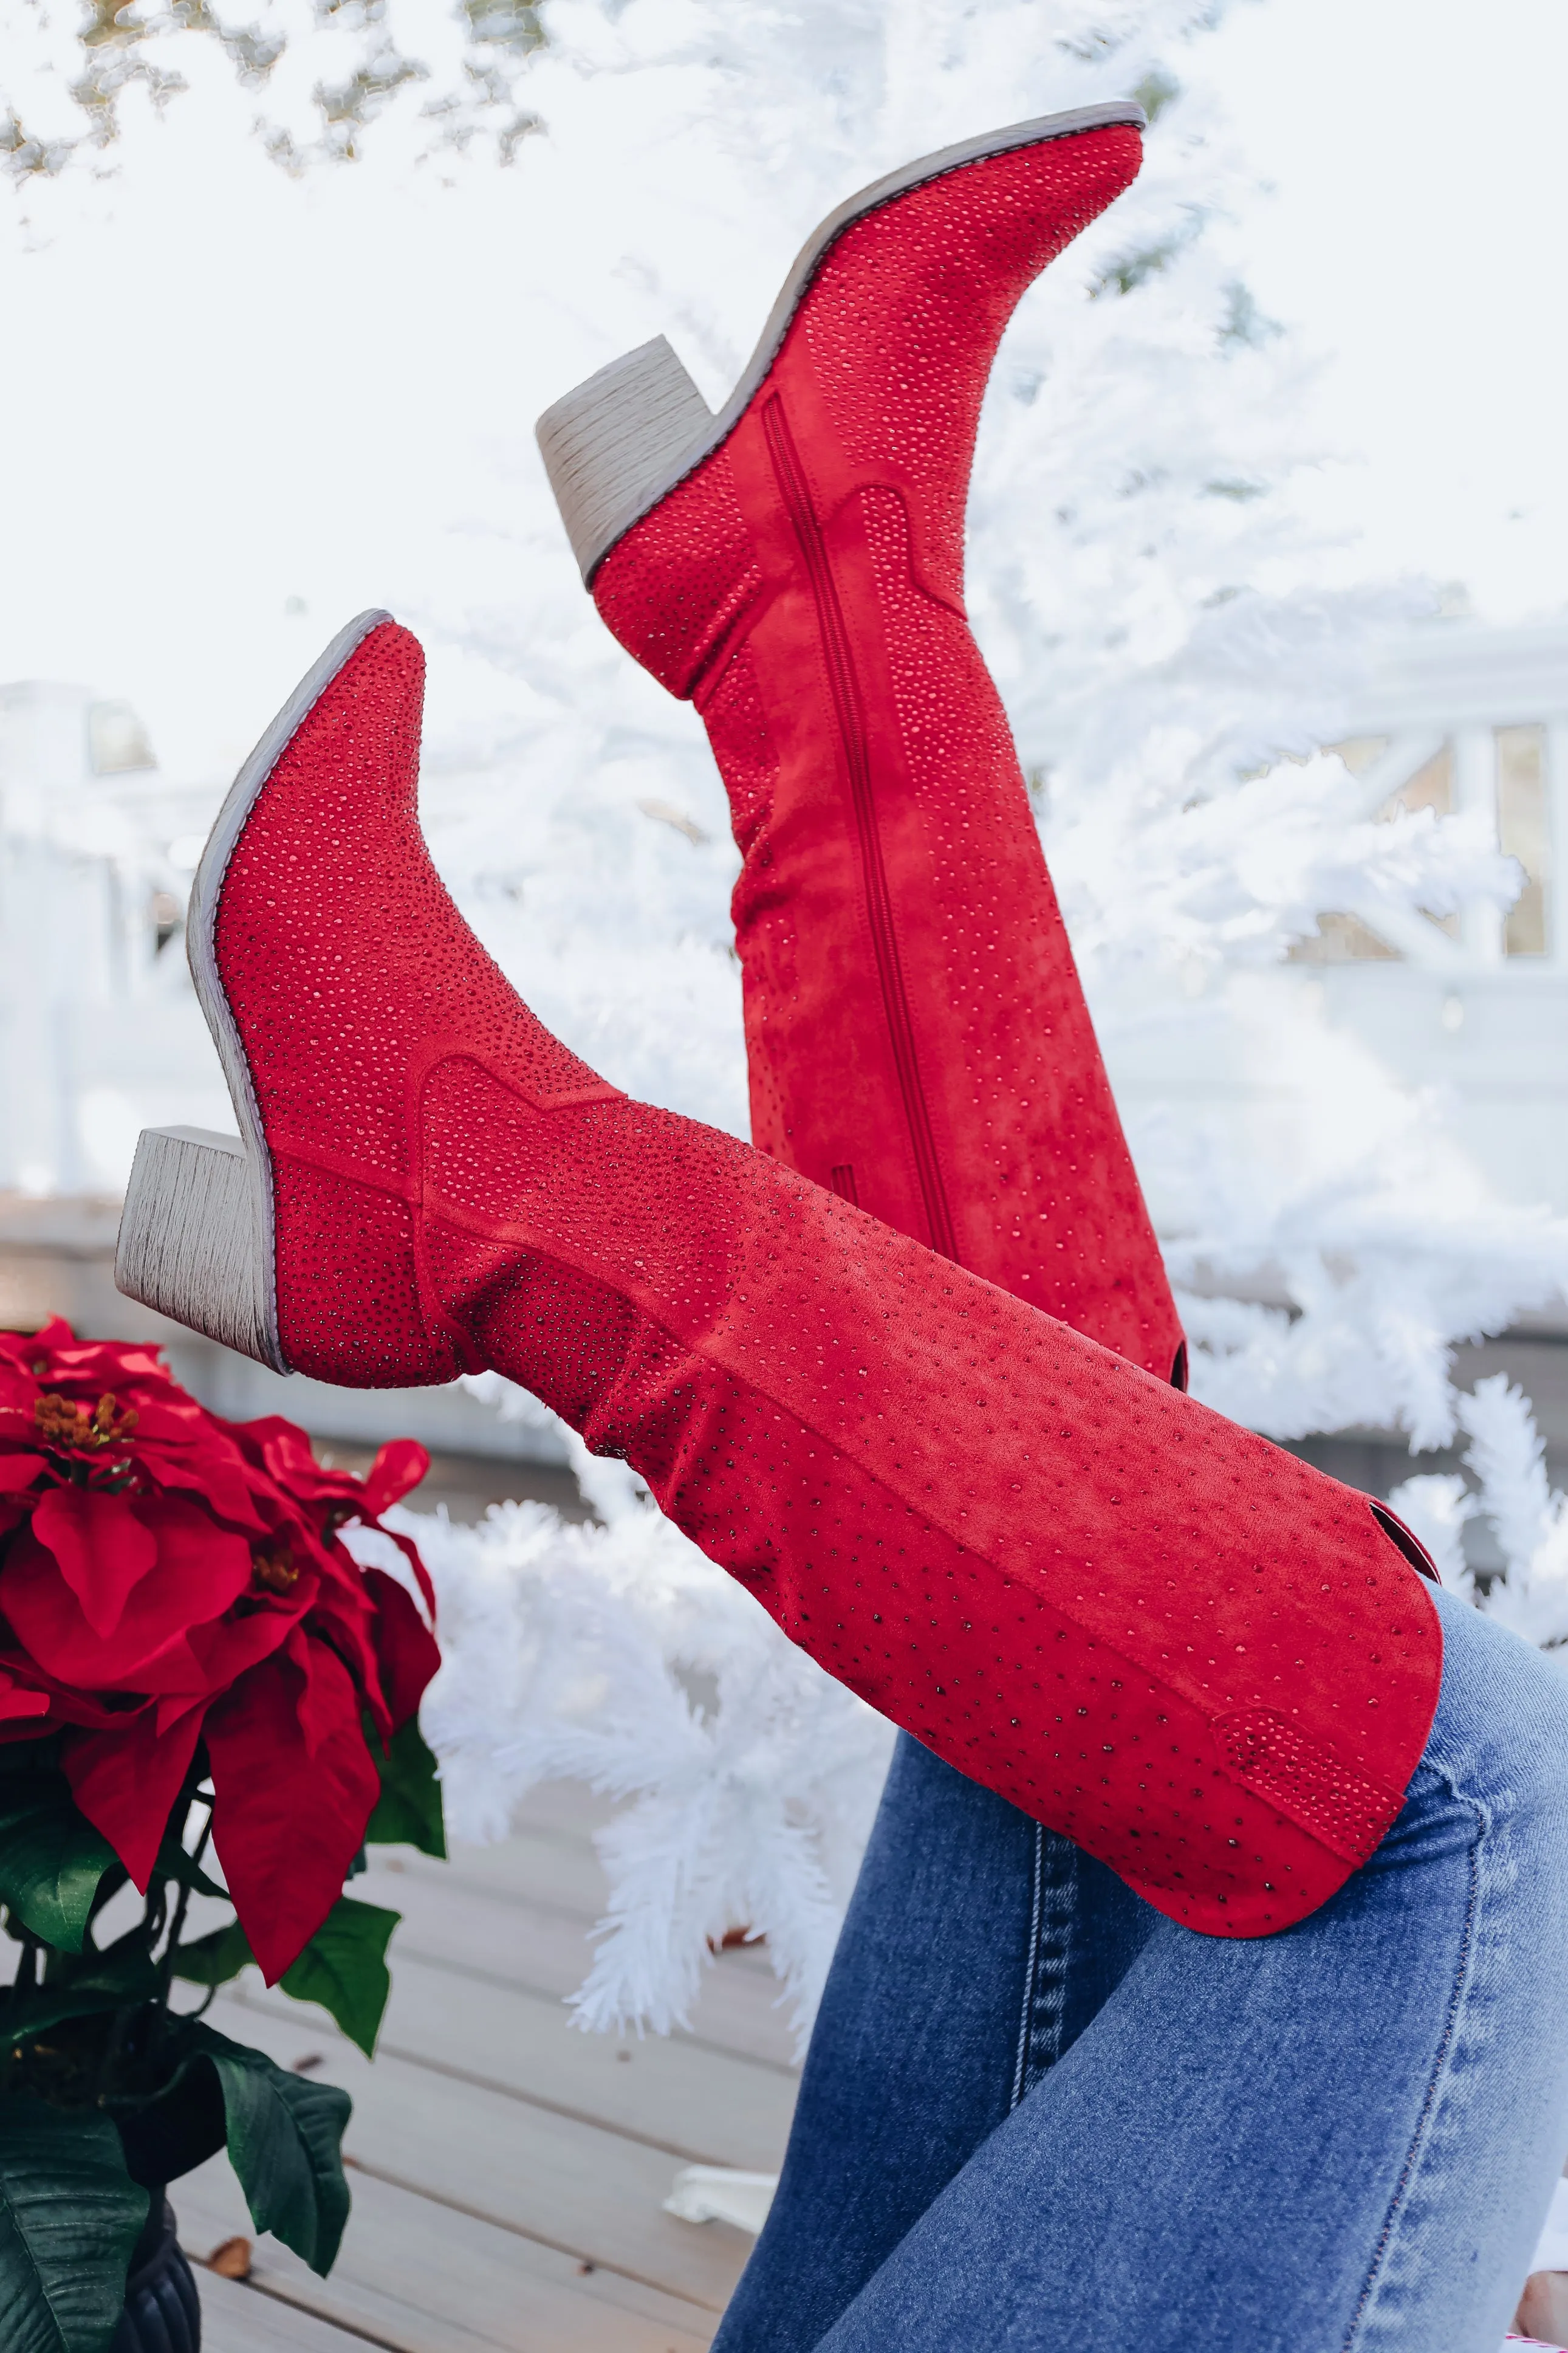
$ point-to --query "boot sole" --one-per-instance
(624, 438)
(198, 1235)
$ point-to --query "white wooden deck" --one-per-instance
(508, 2171)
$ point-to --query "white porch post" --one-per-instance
(1557, 824)
(1475, 793)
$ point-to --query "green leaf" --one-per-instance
(213, 1960)
(408, 1810)
(182, 2125)
(113, 1980)
(51, 1858)
(69, 2215)
(344, 1969)
(174, 1864)
(285, 2135)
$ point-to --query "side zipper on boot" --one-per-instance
(851, 715)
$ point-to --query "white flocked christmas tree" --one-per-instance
(1172, 659)
(1173, 650)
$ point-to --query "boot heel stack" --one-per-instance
(616, 444)
(191, 1240)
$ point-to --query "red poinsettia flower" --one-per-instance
(168, 1578)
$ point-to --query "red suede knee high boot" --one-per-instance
(1204, 1661)
(916, 1032)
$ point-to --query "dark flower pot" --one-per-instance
(162, 2313)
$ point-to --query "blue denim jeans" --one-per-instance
(1037, 2116)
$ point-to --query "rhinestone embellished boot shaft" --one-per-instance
(916, 1030)
(1210, 1665)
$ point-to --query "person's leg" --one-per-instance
(977, 1948)
(917, 1036)
(1341, 2139)
(1202, 1659)
(1207, 1662)
(917, 823)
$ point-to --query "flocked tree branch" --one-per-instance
(322, 71)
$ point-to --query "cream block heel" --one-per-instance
(192, 1239)
(614, 446)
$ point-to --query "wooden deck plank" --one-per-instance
(563, 1806)
(416, 2278)
(555, 1866)
(581, 2187)
(549, 1860)
(701, 2105)
(508, 2171)
(550, 1875)
(489, 1933)
(236, 2319)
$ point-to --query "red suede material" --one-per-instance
(1148, 1627)
(928, 1054)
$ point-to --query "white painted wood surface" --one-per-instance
(508, 2171)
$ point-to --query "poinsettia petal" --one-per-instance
(404, 1647)
(173, 1417)
(126, 1783)
(43, 1342)
(342, 1616)
(222, 1484)
(182, 1445)
(99, 1364)
(200, 1570)
(228, 1649)
(289, 1454)
(18, 1470)
(20, 1700)
(400, 1466)
(289, 1821)
(103, 1549)
(65, 1704)
(283, 1453)
(421, 1574)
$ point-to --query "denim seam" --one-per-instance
(1051, 1977)
(1031, 1961)
(1440, 2067)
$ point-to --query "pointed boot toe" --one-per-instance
(335, 975)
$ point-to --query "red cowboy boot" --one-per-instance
(1202, 1660)
(916, 1032)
